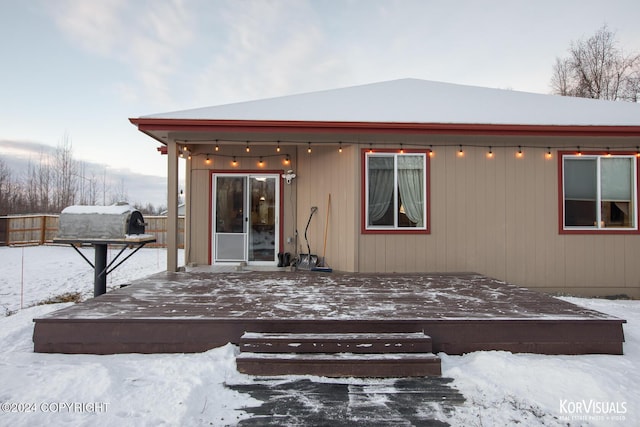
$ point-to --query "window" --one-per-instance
(395, 192)
(599, 192)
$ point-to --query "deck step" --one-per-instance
(340, 364)
(360, 343)
(338, 355)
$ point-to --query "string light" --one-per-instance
(184, 151)
(490, 153)
(548, 155)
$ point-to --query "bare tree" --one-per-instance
(598, 68)
(120, 193)
(36, 186)
(560, 81)
(6, 184)
(65, 174)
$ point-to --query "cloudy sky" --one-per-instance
(82, 67)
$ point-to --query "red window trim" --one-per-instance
(363, 197)
(596, 231)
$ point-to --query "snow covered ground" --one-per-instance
(188, 389)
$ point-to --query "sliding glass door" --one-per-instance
(245, 218)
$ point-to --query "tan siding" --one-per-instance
(200, 211)
(500, 217)
(326, 171)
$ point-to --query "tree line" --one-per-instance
(56, 181)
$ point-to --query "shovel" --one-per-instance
(308, 261)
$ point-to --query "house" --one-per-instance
(414, 176)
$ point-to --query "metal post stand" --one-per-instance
(100, 267)
(100, 270)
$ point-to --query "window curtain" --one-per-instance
(380, 186)
(580, 179)
(411, 186)
(616, 179)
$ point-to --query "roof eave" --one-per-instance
(148, 125)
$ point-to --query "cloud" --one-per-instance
(146, 36)
(267, 49)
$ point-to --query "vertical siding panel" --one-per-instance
(631, 269)
(441, 187)
(511, 210)
(498, 215)
(541, 211)
(453, 209)
(470, 229)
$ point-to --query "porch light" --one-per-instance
(340, 147)
(287, 160)
(309, 148)
(217, 146)
(370, 148)
(637, 151)
(261, 162)
(401, 149)
(431, 153)
(460, 152)
(247, 149)
(579, 153)
(207, 160)
(234, 163)
(519, 154)
(608, 153)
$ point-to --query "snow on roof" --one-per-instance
(423, 101)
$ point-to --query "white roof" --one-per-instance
(422, 101)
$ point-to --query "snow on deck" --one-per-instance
(313, 296)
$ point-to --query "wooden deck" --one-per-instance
(192, 312)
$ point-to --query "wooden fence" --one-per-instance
(42, 229)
